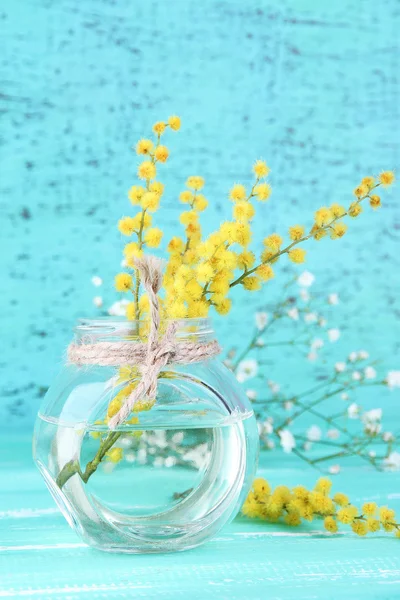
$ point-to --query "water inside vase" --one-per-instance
(152, 484)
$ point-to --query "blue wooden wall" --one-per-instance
(313, 87)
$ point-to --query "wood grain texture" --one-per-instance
(313, 87)
(40, 557)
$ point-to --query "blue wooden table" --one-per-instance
(40, 557)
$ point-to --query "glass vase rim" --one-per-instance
(121, 327)
(105, 320)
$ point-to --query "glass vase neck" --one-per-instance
(114, 329)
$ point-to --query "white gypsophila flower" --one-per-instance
(333, 335)
(247, 369)
(306, 279)
(369, 373)
(307, 446)
(260, 343)
(251, 394)
(340, 367)
(160, 439)
(353, 356)
(124, 263)
(388, 436)
(371, 420)
(130, 457)
(356, 376)
(118, 309)
(170, 461)
(304, 295)
(268, 428)
(312, 356)
(372, 428)
(293, 313)
(372, 416)
(372, 453)
(314, 433)
(353, 411)
(125, 442)
(199, 456)
(157, 439)
(142, 456)
(270, 444)
(98, 301)
(344, 396)
(333, 298)
(363, 355)
(177, 438)
(96, 281)
(311, 317)
(273, 386)
(288, 405)
(265, 428)
(317, 344)
(261, 319)
(333, 434)
(287, 440)
(334, 469)
(322, 322)
(392, 462)
(393, 379)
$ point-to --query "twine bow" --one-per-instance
(153, 356)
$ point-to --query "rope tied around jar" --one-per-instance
(150, 357)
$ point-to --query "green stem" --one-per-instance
(307, 407)
(69, 469)
(137, 283)
(73, 467)
(290, 246)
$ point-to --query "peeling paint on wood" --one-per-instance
(313, 87)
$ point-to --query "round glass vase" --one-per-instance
(173, 473)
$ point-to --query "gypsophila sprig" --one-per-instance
(324, 422)
(296, 505)
(202, 271)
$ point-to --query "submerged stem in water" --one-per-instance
(72, 467)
